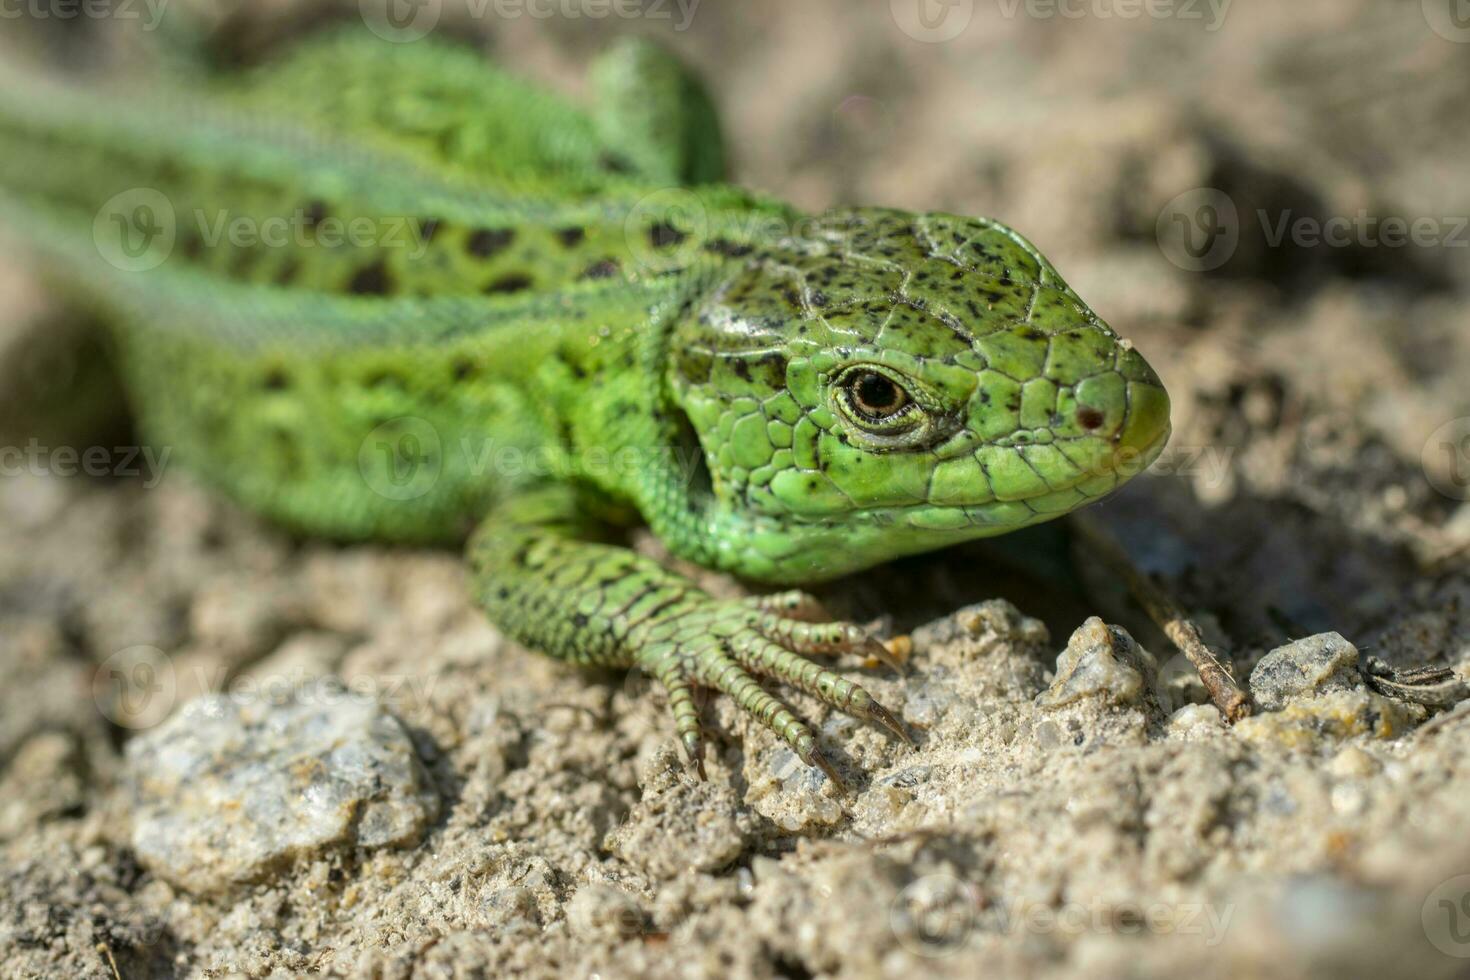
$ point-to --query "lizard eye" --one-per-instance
(884, 410)
(876, 402)
(874, 396)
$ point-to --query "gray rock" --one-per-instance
(230, 789)
(1305, 669)
(981, 629)
(992, 642)
(1100, 661)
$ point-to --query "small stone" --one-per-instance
(982, 628)
(1193, 717)
(908, 778)
(1305, 669)
(1100, 661)
(1317, 914)
(895, 791)
(1306, 723)
(791, 794)
(1048, 735)
(901, 648)
(925, 706)
(1353, 763)
(230, 789)
(1349, 799)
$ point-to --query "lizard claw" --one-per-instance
(816, 757)
(874, 711)
(805, 637)
(878, 650)
(694, 755)
(723, 645)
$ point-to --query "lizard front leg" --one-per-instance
(541, 572)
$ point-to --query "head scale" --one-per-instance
(888, 383)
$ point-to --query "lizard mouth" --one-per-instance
(1135, 448)
(1134, 451)
(1145, 428)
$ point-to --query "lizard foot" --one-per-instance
(724, 645)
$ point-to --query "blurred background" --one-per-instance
(1270, 199)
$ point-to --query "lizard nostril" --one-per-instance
(1089, 418)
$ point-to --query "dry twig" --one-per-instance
(1164, 610)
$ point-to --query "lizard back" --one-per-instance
(355, 277)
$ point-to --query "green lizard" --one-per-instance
(555, 321)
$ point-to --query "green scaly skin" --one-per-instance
(584, 329)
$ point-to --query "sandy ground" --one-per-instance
(1088, 813)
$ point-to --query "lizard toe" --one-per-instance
(832, 637)
(761, 655)
(795, 605)
(728, 675)
(686, 718)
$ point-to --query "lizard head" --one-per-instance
(887, 383)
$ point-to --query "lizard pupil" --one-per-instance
(876, 396)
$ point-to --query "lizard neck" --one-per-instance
(626, 434)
